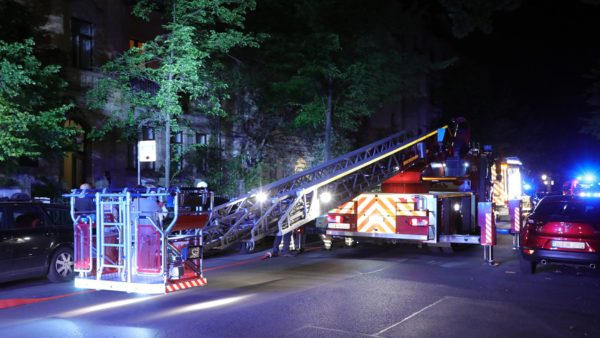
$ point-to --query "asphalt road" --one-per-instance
(366, 291)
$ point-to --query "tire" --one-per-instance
(61, 266)
(527, 267)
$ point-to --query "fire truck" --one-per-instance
(432, 190)
(439, 201)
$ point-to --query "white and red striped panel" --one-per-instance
(517, 220)
(187, 284)
(376, 213)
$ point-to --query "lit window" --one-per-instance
(178, 138)
(135, 43)
(83, 43)
(201, 138)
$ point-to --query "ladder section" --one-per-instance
(289, 203)
(112, 233)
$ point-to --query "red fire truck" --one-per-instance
(438, 201)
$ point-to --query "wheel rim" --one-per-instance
(64, 264)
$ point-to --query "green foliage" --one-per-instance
(223, 174)
(31, 112)
(346, 66)
(470, 15)
(147, 86)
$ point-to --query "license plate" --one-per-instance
(568, 245)
(338, 226)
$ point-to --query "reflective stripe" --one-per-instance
(488, 229)
(517, 220)
(376, 214)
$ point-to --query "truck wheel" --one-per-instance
(61, 266)
(527, 267)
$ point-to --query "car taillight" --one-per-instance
(335, 219)
(419, 222)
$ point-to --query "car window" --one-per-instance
(59, 217)
(27, 217)
(575, 210)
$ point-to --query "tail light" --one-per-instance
(419, 222)
(335, 219)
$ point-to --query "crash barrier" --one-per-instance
(139, 240)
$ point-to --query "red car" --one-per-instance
(562, 229)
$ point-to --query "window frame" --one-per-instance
(78, 38)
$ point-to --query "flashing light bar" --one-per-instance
(513, 161)
(589, 194)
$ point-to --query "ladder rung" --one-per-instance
(113, 266)
(112, 224)
(113, 245)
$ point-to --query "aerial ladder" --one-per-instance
(287, 204)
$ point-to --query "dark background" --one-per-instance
(533, 68)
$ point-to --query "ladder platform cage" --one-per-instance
(147, 240)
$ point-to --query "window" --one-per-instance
(83, 43)
(201, 138)
(27, 217)
(135, 43)
(59, 217)
(148, 133)
(569, 211)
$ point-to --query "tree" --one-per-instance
(32, 114)
(148, 86)
(330, 65)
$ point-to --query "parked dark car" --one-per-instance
(561, 229)
(36, 239)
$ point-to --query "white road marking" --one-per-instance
(335, 330)
(412, 315)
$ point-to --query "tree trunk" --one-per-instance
(167, 152)
(327, 149)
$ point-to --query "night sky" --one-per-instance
(538, 55)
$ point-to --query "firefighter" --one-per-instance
(285, 251)
(85, 205)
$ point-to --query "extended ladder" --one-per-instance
(287, 204)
